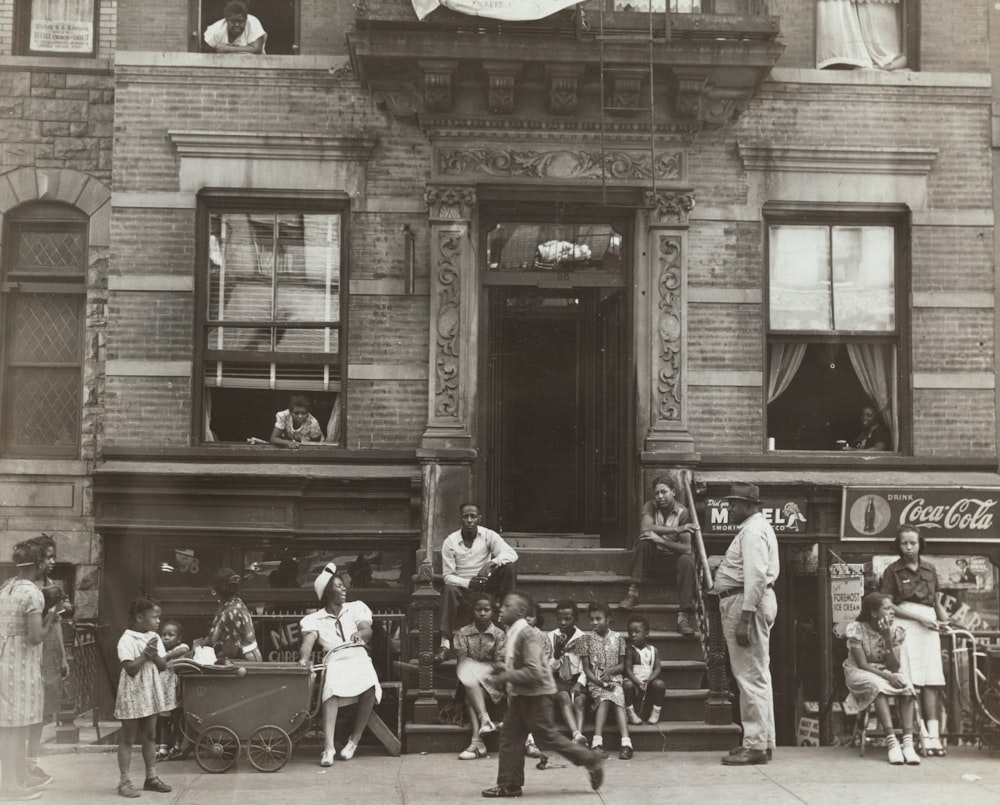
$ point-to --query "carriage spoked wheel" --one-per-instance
(269, 748)
(989, 700)
(217, 749)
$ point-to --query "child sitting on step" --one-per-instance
(567, 668)
(644, 689)
(603, 663)
(483, 641)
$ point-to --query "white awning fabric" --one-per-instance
(496, 9)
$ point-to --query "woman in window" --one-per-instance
(874, 435)
(343, 629)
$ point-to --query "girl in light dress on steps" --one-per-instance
(603, 655)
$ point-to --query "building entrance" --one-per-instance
(557, 397)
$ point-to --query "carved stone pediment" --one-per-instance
(670, 206)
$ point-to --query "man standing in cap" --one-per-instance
(745, 584)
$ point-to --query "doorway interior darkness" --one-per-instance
(557, 397)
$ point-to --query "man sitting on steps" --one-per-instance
(665, 529)
(473, 559)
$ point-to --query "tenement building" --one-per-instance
(529, 262)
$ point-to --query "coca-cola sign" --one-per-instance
(955, 514)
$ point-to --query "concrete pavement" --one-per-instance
(822, 776)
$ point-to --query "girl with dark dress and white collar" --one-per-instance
(912, 583)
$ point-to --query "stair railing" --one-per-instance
(718, 705)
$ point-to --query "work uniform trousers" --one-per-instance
(752, 667)
(534, 714)
(647, 556)
(456, 601)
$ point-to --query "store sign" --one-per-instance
(496, 9)
(847, 587)
(955, 514)
(786, 516)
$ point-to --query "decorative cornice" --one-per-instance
(822, 159)
(438, 84)
(241, 145)
(501, 77)
(670, 206)
(564, 164)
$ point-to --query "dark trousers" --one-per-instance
(534, 714)
(456, 601)
(648, 556)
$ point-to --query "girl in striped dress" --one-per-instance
(23, 627)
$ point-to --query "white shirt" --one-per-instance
(218, 33)
(460, 562)
(324, 623)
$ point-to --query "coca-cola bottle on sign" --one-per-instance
(870, 515)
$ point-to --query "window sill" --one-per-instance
(878, 78)
(164, 60)
(61, 64)
(262, 454)
(43, 466)
(851, 460)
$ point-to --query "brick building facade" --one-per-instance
(553, 391)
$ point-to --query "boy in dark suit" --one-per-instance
(530, 692)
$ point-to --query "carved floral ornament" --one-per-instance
(448, 318)
(670, 206)
(669, 327)
(453, 203)
(561, 163)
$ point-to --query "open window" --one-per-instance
(56, 27)
(834, 343)
(271, 294)
(279, 18)
(42, 303)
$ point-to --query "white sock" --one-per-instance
(933, 728)
(445, 642)
(654, 714)
(596, 742)
(626, 741)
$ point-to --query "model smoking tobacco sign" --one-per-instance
(958, 514)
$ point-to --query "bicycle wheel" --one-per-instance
(269, 748)
(217, 749)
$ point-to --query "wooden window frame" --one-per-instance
(896, 216)
(22, 34)
(230, 200)
(198, 26)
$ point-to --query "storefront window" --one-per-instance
(187, 565)
(282, 570)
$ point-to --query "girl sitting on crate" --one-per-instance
(343, 629)
(872, 673)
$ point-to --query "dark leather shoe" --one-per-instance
(737, 749)
(441, 654)
(746, 757)
(596, 771)
(501, 792)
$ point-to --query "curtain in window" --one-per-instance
(839, 39)
(209, 434)
(333, 424)
(784, 361)
(874, 366)
(880, 26)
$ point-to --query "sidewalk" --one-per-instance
(833, 776)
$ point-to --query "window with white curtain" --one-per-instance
(833, 333)
(271, 300)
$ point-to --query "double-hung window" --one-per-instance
(56, 27)
(835, 339)
(272, 286)
(278, 18)
(42, 303)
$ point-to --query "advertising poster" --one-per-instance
(953, 514)
(786, 515)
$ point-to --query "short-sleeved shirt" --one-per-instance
(310, 429)
(917, 586)
(487, 646)
(861, 635)
(232, 622)
(218, 33)
(335, 630)
(652, 515)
